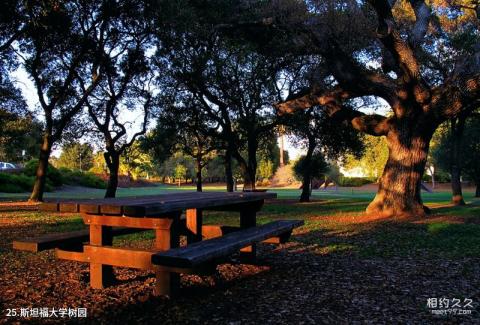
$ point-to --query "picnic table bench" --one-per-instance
(206, 244)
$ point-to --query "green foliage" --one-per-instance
(78, 177)
(265, 169)
(469, 149)
(18, 133)
(54, 178)
(318, 166)
(13, 183)
(374, 157)
(355, 181)
(180, 172)
(76, 156)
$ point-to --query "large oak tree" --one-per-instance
(406, 53)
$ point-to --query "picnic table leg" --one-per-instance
(167, 283)
(194, 225)
(101, 275)
(248, 218)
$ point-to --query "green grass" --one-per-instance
(331, 223)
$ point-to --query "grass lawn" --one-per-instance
(341, 266)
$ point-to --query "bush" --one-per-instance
(355, 181)
(12, 183)
(54, 178)
(78, 177)
(318, 166)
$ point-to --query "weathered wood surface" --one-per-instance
(155, 205)
(195, 254)
(64, 239)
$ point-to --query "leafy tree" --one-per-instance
(191, 134)
(20, 136)
(315, 166)
(265, 169)
(233, 86)
(180, 173)
(420, 57)
(126, 84)
(468, 150)
(374, 158)
(76, 156)
(313, 130)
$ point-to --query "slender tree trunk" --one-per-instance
(251, 168)
(477, 188)
(457, 128)
(113, 163)
(199, 173)
(307, 172)
(228, 171)
(399, 187)
(41, 174)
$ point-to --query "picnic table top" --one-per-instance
(154, 205)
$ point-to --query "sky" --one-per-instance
(22, 80)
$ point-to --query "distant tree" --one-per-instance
(20, 137)
(315, 166)
(54, 41)
(468, 151)
(180, 173)
(374, 157)
(76, 156)
(313, 130)
(234, 87)
(265, 169)
(126, 85)
(191, 132)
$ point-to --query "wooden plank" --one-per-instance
(153, 205)
(50, 241)
(145, 223)
(101, 275)
(71, 256)
(155, 209)
(114, 206)
(194, 220)
(123, 257)
(167, 282)
(213, 231)
(198, 253)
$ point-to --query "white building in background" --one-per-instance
(353, 172)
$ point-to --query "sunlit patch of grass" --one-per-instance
(63, 225)
(336, 249)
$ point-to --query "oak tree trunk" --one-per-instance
(399, 187)
(41, 173)
(307, 173)
(228, 171)
(457, 128)
(199, 173)
(112, 159)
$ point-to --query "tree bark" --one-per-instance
(228, 171)
(112, 159)
(457, 128)
(250, 172)
(307, 172)
(199, 173)
(399, 187)
(41, 174)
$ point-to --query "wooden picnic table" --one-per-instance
(161, 213)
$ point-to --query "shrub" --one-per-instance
(12, 183)
(78, 177)
(355, 181)
(53, 175)
(318, 166)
